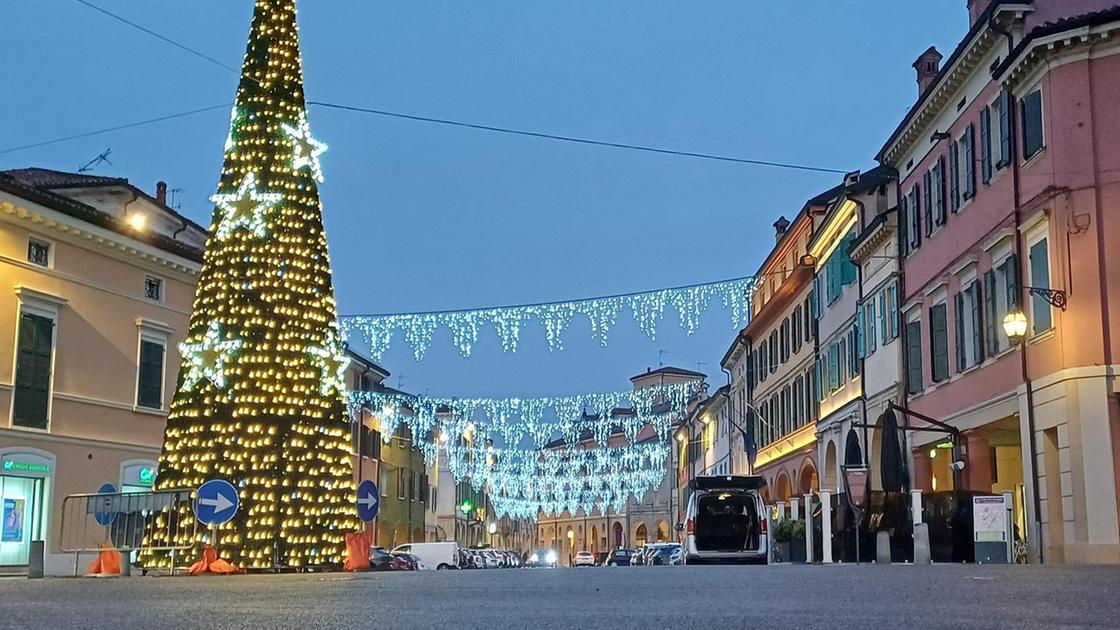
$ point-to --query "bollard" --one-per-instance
(916, 506)
(921, 544)
(826, 527)
(126, 564)
(882, 548)
(35, 560)
(808, 528)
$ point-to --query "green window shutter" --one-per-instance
(1004, 130)
(986, 144)
(833, 366)
(894, 309)
(903, 221)
(915, 218)
(990, 313)
(33, 371)
(940, 189)
(939, 342)
(1012, 272)
(969, 163)
(914, 382)
(927, 179)
(1040, 278)
(885, 315)
(954, 177)
(149, 391)
(848, 268)
(1032, 123)
(872, 338)
(958, 321)
(977, 340)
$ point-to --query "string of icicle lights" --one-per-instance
(513, 420)
(648, 309)
(524, 483)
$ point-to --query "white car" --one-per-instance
(726, 521)
(584, 559)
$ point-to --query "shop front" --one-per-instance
(25, 485)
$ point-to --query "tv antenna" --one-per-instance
(90, 165)
(175, 203)
(660, 358)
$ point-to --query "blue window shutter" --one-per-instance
(860, 340)
(885, 327)
(872, 338)
(1012, 266)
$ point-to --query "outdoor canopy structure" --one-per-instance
(260, 402)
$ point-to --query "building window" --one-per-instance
(39, 252)
(937, 196)
(796, 322)
(149, 377)
(914, 384)
(34, 357)
(914, 219)
(773, 351)
(785, 340)
(833, 367)
(1000, 296)
(840, 271)
(383, 477)
(1041, 311)
(153, 288)
(968, 320)
(995, 137)
(1033, 137)
(939, 342)
(401, 483)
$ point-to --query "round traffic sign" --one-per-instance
(368, 502)
(104, 513)
(216, 502)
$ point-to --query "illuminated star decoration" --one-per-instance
(305, 149)
(245, 208)
(332, 361)
(207, 358)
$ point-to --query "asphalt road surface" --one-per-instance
(786, 596)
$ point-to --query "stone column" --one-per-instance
(978, 463)
(794, 511)
(809, 528)
(826, 527)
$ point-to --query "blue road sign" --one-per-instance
(367, 500)
(216, 503)
(106, 517)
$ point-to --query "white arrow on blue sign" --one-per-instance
(107, 517)
(367, 501)
(216, 503)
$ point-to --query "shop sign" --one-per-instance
(146, 475)
(14, 466)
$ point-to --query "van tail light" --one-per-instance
(690, 526)
(763, 525)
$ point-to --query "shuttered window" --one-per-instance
(968, 164)
(33, 371)
(959, 326)
(939, 342)
(914, 382)
(1040, 278)
(991, 313)
(149, 390)
(1032, 124)
(986, 144)
(1003, 105)
(954, 177)
(903, 226)
(927, 179)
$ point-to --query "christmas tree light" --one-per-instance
(261, 403)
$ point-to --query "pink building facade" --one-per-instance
(1009, 201)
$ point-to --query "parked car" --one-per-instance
(584, 559)
(664, 555)
(725, 521)
(542, 558)
(402, 562)
(380, 560)
(438, 555)
(618, 558)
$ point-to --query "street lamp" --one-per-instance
(1015, 325)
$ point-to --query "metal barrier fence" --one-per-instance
(122, 519)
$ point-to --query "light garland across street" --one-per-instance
(648, 309)
(512, 420)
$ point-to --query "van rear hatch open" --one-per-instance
(727, 482)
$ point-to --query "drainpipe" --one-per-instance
(863, 355)
(730, 417)
(1013, 149)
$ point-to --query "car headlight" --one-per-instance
(551, 557)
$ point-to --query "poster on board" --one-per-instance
(12, 530)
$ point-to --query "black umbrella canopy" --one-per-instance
(853, 454)
(892, 464)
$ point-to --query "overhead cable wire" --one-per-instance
(430, 119)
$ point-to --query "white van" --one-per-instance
(434, 555)
(726, 521)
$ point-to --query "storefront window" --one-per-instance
(21, 511)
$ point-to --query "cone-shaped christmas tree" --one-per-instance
(260, 401)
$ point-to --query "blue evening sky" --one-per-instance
(423, 216)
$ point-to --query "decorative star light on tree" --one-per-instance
(648, 309)
(332, 362)
(207, 357)
(305, 148)
(247, 207)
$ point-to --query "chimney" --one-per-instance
(927, 65)
(976, 8)
(161, 193)
(780, 227)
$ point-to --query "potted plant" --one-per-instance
(790, 537)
